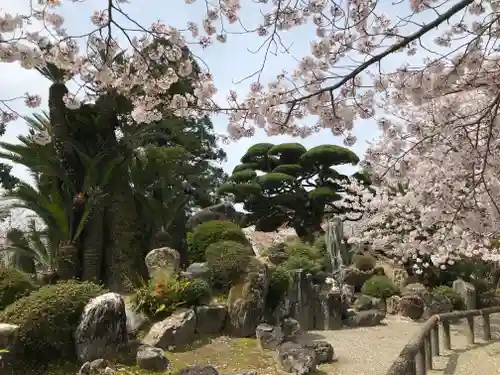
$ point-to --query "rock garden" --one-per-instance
(228, 311)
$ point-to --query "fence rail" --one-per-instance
(416, 356)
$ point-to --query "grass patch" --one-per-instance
(226, 354)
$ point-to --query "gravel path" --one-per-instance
(372, 350)
(479, 359)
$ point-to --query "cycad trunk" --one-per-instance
(93, 245)
(123, 261)
(61, 135)
(69, 262)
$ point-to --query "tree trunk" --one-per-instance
(178, 231)
(93, 245)
(124, 263)
(69, 262)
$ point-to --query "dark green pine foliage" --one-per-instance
(286, 184)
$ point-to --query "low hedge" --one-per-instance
(47, 319)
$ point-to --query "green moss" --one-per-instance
(379, 287)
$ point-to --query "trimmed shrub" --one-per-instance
(364, 262)
(297, 262)
(211, 232)
(448, 292)
(14, 284)
(379, 287)
(48, 318)
(278, 286)
(197, 292)
(227, 261)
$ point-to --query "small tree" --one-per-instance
(288, 185)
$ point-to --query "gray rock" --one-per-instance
(348, 292)
(366, 318)
(244, 373)
(8, 335)
(291, 329)
(364, 302)
(135, 319)
(269, 337)
(210, 318)
(392, 304)
(467, 292)
(324, 351)
(197, 270)
(246, 303)
(198, 370)
(151, 358)
(300, 299)
(176, 330)
(163, 260)
(411, 306)
(96, 367)
(328, 310)
(102, 329)
(296, 359)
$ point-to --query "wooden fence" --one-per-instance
(416, 356)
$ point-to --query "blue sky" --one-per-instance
(228, 63)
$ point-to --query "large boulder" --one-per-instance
(296, 359)
(364, 302)
(96, 367)
(246, 301)
(210, 318)
(176, 330)
(102, 329)
(329, 308)
(269, 337)
(164, 261)
(277, 254)
(467, 292)
(135, 319)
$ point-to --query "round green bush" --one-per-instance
(211, 232)
(364, 262)
(197, 292)
(47, 319)
(227, 261)
(448, 292)
(14, 284)
(379, 287)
